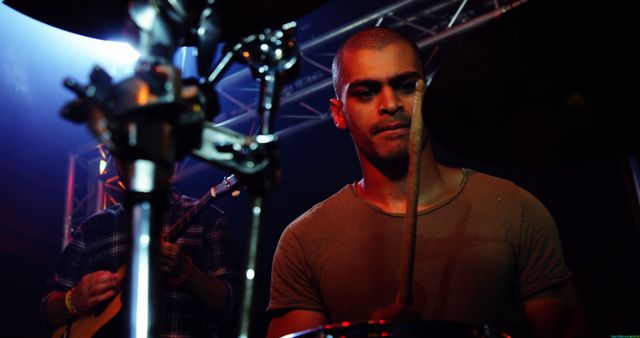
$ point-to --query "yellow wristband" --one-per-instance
(69, 304)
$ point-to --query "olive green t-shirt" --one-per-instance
(479, 254)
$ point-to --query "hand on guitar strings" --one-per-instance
(174, 263)
(93, 289)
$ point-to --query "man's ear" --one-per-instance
(337, 113)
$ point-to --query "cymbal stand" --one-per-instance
(273, 56)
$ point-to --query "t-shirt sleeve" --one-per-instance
(292, 283)
(541, 260)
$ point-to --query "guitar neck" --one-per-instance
(182, 224)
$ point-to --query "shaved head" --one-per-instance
(370, 38)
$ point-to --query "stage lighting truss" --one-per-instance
(306, 98)
(93, 184)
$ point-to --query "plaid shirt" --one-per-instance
(100, 243)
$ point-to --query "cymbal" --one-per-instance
(546, 84)
(107, 19)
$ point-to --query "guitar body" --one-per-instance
(88, 326)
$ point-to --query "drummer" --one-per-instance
(487, 251)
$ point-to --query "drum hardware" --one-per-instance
(145, 123)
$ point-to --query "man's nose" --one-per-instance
(390, 102)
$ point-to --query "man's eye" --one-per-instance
(407, 87)
(364, 94)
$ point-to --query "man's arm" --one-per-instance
(210, 291)
(557, 312)
(55, 311)
(93, 289)
(294, 321)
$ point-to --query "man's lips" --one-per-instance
(391, 126)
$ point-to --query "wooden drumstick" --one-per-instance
(416, 140)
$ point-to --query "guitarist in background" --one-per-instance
(200, 270)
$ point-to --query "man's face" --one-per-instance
(376, 100)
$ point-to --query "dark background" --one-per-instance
(582, 178)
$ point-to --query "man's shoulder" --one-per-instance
(102, 223)
(319, 224)
(485, 184)
(108, 215)
(329, 207)
(333, 203)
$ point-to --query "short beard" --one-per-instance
(395, 165)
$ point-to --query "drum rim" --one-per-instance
(382, 324)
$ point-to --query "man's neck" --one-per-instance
(389, 192)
